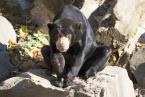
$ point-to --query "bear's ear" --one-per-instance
(50, 26)
(79, 26)
(76, 27)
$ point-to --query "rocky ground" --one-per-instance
(111, 82)
(23, 31)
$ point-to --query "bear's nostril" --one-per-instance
(63, 45)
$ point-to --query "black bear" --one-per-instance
(73, 41)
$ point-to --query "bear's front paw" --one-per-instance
(89, 73)
(58, 84)
(67, 82)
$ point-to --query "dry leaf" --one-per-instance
(1, 14)
(35, 79)
(11, 44)
(27, 65)
(36, 54)
(23, 30)
(114, 43)
(113, 59)
(42, 65)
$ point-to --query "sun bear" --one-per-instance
(73, 42)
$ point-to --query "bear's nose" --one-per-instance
(62, 45)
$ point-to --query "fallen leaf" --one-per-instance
(27, 65)
(42, 65)
(1, 14)
(35, 79)
(23, 30)
(11, 44)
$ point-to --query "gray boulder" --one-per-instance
(7, 31)
(24, 4)
(5, 66)
(142, 38)
(127, 17)
(137, 66)
(34, 83)
(111, 82)
(43, 11)
(141, 93)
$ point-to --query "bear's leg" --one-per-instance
(58, 63)
(97, 61)
(73, 71)
(55, 62)
(46, 52)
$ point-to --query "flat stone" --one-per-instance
(34, 83)
(142, 38)
(137, 66)
(111, 82)
(5, 66)
(7, 31)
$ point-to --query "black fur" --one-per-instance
(84, 56)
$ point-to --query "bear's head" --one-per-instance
(62, 32)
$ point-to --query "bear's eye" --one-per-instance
(66, 32)
(69, 36)
(59, 35)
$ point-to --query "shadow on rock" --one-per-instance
(5, 65)
(99, 17)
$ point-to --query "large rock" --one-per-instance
(142, 38)
(111, 82)
(137, 66)
(34, 83)
(141, 93)
(5, 66)
(24, 4)
(130, 21)
(89, 7)
(44, 11)
(126, 16)
(6, 31)
(118, 16)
